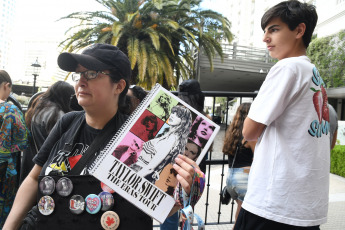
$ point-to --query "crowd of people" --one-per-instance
(278, 163)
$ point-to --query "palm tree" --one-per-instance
(157, 36)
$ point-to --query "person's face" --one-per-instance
(281, 42)
(149, 125)
(171, 180)
(191, 151)
(174, 119)
(205, 130)
(98, 93)
(134, 145)
(6, 90)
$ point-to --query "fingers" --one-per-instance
(188, 160)
(185, 172)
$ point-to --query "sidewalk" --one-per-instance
(336, 210)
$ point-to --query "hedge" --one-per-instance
(338, 160)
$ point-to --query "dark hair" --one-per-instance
(152, 119)
(5, 77)
(234, 133)
(190, 92)
(138, 92)
(60, 94)
(126, 107)
(293, 13)
(115, 77)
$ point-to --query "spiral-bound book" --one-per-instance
(138, 161)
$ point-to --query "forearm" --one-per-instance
(25, 199)
(252, 130)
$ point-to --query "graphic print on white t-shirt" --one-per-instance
(321, 126)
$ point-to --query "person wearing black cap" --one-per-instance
(190, 92)
(102, 73)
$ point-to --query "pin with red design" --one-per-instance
(107, 200)
(77, 204)
(106, 188)
(93, 203)
(110, 220)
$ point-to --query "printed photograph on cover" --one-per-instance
(161, 105)
(147, 126)
(162, 128)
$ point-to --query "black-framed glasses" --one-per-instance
(88, 75)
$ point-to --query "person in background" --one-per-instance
(45, 111)
(190, 92)
(288, 185)
(13, 139)
(136, 94)
(333, 122)
(240, 156)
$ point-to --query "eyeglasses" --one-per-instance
(88, 75)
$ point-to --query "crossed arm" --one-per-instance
(252, 130)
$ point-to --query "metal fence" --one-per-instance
(223, 162)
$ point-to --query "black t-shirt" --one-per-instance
(244, 157)
(63, 148)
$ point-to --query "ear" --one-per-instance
(120, 86)
(300, 29)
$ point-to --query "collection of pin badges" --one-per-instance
(77, 204)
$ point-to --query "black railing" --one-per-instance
(223, 162)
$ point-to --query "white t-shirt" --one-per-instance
(289, 177)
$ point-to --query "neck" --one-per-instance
(98, 119)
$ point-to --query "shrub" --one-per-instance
(338, 160)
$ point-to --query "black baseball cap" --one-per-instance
(97, 57)
(189, 87)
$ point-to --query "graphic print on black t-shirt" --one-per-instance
(64, 160)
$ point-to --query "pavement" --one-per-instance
(336, 210)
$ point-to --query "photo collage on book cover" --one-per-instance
(165, 129)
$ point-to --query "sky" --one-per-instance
(39, 17)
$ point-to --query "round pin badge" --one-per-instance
(77, 204)
(110, 220)
(106, 188)
(47, 185)
(93, 203)
(64, 186)
(46, 205)
(107, 200)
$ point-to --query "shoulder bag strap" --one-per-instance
(112, 126)
(233, 161)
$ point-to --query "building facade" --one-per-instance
(7, 13)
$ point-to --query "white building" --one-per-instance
(331, 17)
(7, 10)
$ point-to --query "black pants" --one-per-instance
(249, 221)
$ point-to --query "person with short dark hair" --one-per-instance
(288, 184)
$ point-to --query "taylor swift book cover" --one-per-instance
(137, 162)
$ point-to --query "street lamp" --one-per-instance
(37, 67)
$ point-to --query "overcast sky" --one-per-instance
(38, 17)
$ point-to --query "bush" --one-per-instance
(338, 160)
